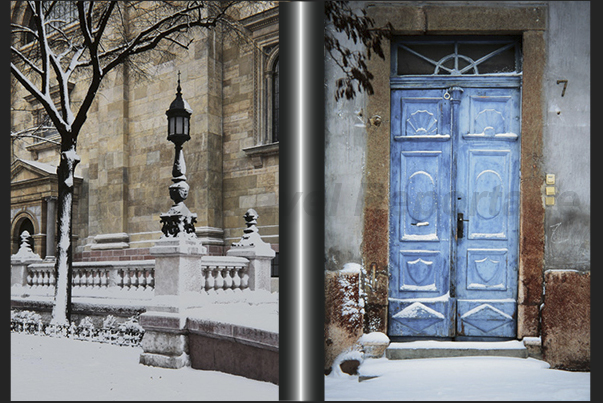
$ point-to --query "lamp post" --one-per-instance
(179, 221)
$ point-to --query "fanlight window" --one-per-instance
(457, 56)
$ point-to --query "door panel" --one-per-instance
(454, 157)
(420, 231)
(487, 188)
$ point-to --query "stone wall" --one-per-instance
(566, 320)
(248, 182)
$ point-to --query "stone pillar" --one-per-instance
(178, 277)
(51, 220)
(259, 253)
(178, 283)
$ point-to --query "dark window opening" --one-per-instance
(275, 103)
(26, 225)
(274, 266)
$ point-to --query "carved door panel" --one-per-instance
(420, 215)
(454, 212)
(487, 187)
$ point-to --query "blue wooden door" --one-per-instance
(454, 212)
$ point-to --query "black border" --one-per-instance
(302, 253)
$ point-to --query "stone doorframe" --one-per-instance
(443, 19)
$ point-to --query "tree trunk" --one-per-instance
(61, 312)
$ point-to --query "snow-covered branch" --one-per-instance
(30, 133)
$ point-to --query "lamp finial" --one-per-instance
(179, 89)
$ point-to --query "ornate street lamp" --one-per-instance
(179, 221)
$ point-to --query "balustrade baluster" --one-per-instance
(244, 278)
(134, 278)
(88, 280)
(219, 279)
(227, 278)
(127, 280)
(142, 281)
(97, 279)
(151, 279)
(103, 278)
(36, 280)
(30, 276)
(120, 279)
(80, 278)
(81, 275)
(236, 280)
(210, 279)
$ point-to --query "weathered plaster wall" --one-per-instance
(345, 148)
(565, 313)
(567, 135)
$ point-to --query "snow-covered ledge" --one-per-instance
(111, 241)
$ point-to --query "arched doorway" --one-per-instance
(22, 224)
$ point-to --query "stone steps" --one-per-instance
(440, 349)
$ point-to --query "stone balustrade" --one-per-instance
(224, 273)
(129, 279)
(94, 279)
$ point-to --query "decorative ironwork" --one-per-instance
(458, 56)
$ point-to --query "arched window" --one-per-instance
(62, 15)
(266, 88)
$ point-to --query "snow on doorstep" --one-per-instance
(458, 379)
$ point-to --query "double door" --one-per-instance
(454, 211)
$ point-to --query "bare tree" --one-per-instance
(102, 36)
(340, 17)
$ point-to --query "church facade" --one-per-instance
(231, 85)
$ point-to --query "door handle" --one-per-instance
(460, 226)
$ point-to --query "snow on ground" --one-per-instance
(466, 378)
(257, 309)
(47, 368)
